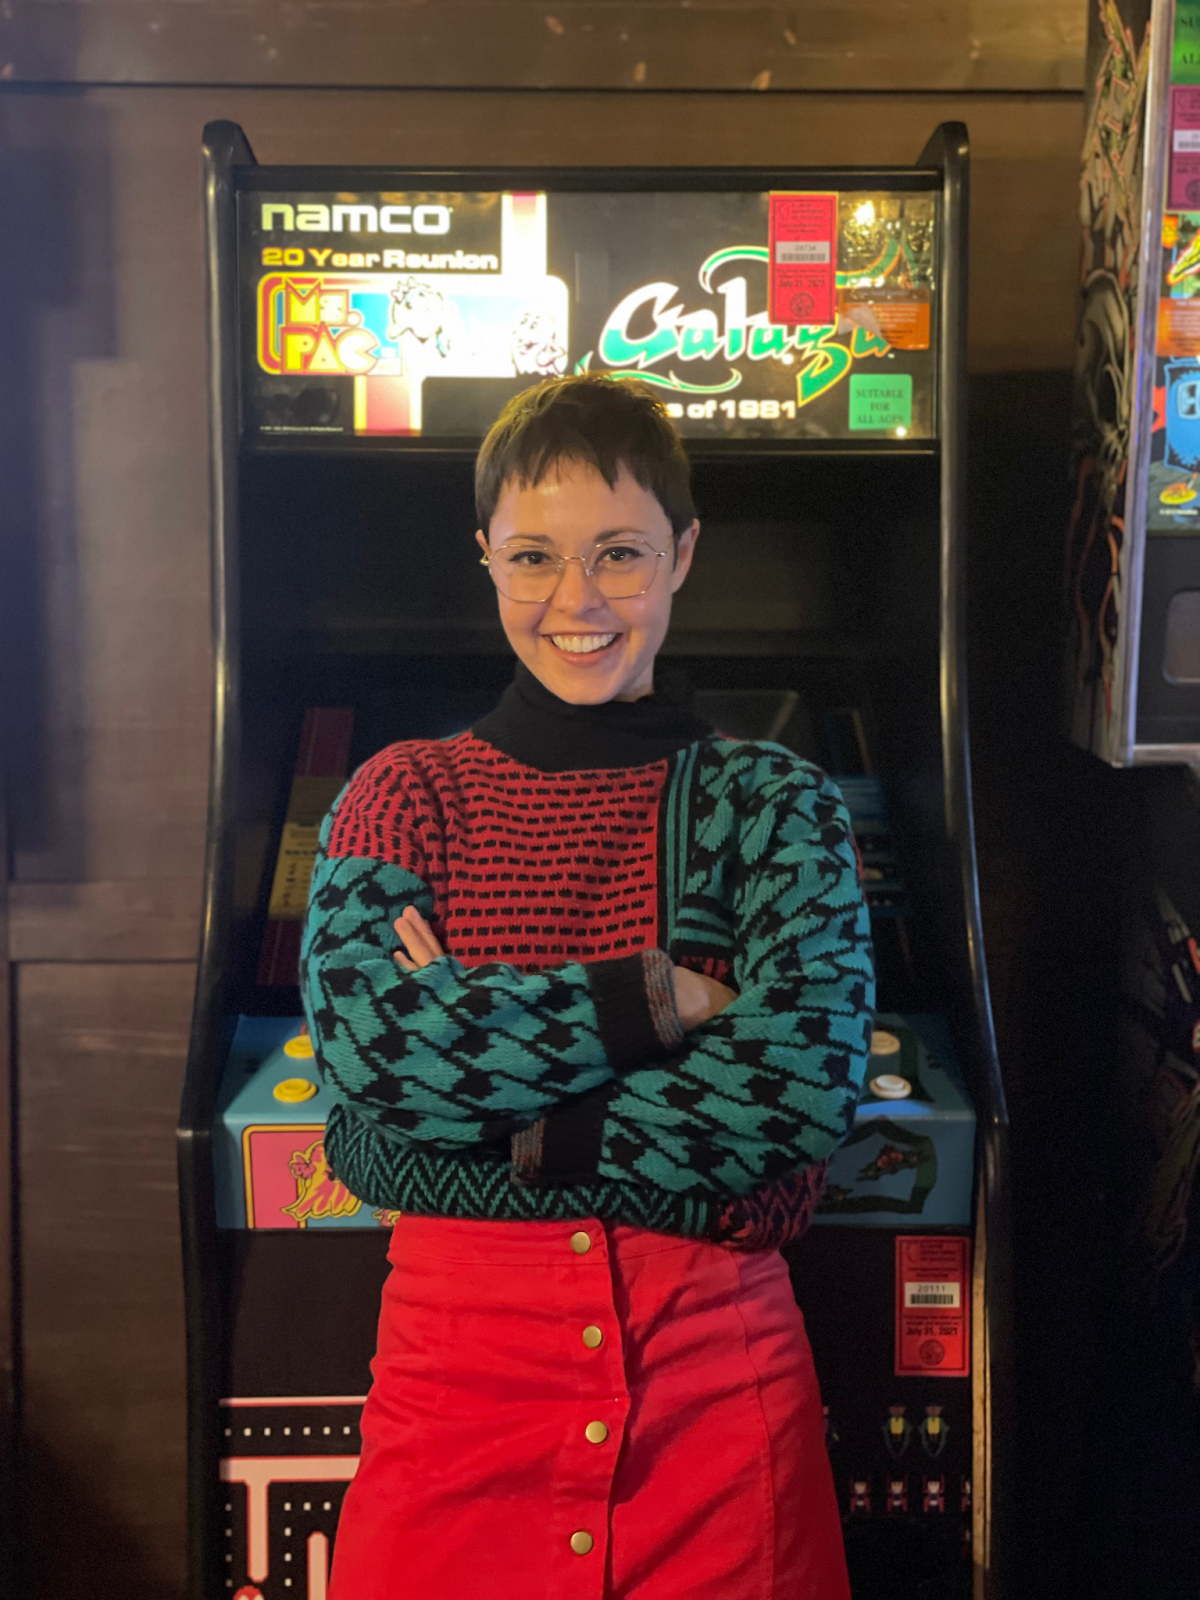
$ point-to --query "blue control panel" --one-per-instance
(909, 1158)
(269, 1145)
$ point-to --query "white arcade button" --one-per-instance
(890, 1087)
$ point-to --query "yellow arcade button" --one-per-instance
(596, 1433)
(300, 1048)
(581, 1242)
(592, 1337)
(582, 1543)
(292, 1090)
(884, 1043)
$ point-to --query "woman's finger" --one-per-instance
(413, 953)
(424, 935)
(411, 957)
(429, 940)
(419, 940)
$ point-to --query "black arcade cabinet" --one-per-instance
(1130, 882)
(805, 330)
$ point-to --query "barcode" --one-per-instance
(795, 252)
(931, 1294)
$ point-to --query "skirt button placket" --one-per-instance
(585, 1467)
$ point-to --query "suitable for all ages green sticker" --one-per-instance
(1185, 52)
(880, 400)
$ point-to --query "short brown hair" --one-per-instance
(606, 423)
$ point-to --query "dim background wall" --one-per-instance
(104, 555)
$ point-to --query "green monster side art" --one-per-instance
(1110, 202)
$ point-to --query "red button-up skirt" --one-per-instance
(485, 1471)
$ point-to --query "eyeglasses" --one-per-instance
(531, 575)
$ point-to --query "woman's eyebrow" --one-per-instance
(545, 539)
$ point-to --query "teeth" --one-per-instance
(582, 644)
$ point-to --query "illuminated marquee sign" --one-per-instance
(417, 314)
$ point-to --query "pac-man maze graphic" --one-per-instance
(285, 1465)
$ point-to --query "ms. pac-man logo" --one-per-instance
(310, 326)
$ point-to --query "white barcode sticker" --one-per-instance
(932, 1294)
(795, 252)
(1186, 140)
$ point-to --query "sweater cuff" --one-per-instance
(563, 1148)
(634, 997)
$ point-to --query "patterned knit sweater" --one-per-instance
(567, 857)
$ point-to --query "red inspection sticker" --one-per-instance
(803, 259)
(933, 1306)
(1183, 186)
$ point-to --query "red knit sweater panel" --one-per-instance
(527, 867)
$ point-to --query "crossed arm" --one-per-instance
(637, 1069)
(697, 997)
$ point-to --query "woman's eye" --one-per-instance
(526, 558)
(619, 555)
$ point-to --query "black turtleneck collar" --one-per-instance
(539, 730)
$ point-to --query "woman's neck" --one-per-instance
(533, 726)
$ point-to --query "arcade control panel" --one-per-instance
(909, 1157)
(270, 1140)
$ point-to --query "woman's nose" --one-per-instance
(576, 591)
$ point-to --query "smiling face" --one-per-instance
(583, 647)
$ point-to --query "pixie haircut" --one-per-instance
(606, 423)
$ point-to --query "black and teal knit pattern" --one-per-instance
(535, 1071)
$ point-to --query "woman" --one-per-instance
(593, 987)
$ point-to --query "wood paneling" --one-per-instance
(101, 1053)
(134, 919)
(551, 44)
(105, 496)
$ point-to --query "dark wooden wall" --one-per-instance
(103, 538)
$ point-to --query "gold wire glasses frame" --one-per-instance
(530, 575)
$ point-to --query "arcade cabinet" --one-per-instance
(1133, 691)
(805, 330)
(1134, 542)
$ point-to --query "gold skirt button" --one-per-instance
(581, 1242)
(597, 1432)
(592, 1337)
(581, 1543)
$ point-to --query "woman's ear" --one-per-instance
(481, 541)
(685, 549)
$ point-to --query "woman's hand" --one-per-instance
(417, 937)
(698, 998)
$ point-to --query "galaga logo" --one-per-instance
(649, 332)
